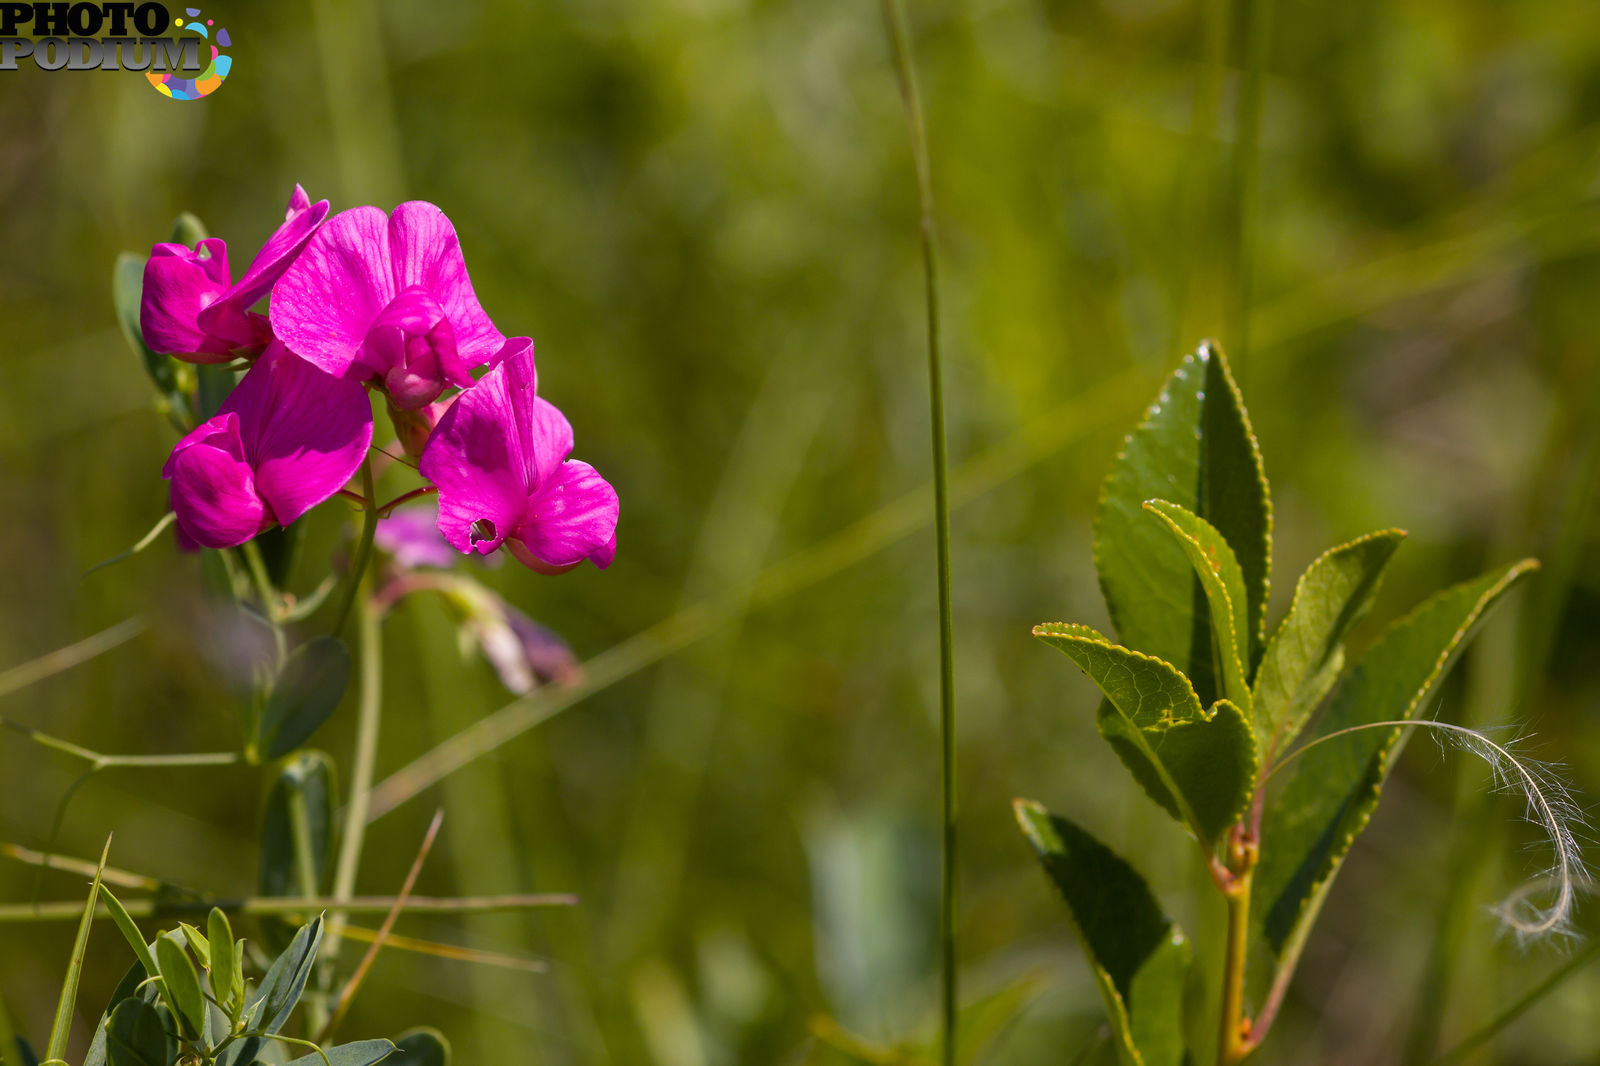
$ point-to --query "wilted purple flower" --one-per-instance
(288, 437)
(387, 297)
(499, 458)
(192, 310)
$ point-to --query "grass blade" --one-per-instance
(62, 1026)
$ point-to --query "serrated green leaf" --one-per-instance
(306, 783)
(1223, 583)
(309, 688)
(360, 1053)
(183, 983)
(227, 977)
(421, 1047)
(1335, 787)
(281, 988)
(1195, 448)
(1306, 653)
(1140, 958)
(135, 1036)
(1199, 765)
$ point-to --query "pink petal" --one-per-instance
(329, 297)
(572, 517)
(412, 349)
(178, 286)
(305, 432)
(425, 251)
(287, 241)
(213, 490)
(479, 456)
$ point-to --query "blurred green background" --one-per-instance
(704, 213)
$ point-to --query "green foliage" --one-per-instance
(1185, 588)
(137, 1036)
(297, 834)
(1139, 957)
(420, 1047)
(1335, 787)
(308, 689)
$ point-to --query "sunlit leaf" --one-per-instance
(224, 965)
(1195, 448)
(360, 1053)
(183, 983)
(1140, 958)
(62, 1026)
(1329, 800)
(281, 988)
(1305, 654)
(1200, 765)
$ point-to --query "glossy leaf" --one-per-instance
(1306, 652)
(1199, 765)
(1195, 448)
(1223, 583)
(1139, 957)
(183, 984)
(306, 792)
(420, 1047)
(360, 1053)
(285, 981)
(1335, 787)
(309, 688)
(135, 1036)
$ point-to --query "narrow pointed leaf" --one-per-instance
(1305, 654)
(197, 944)
(1195, 448)
(1223, 583)
(1335, 787)
(62, 1026)
(420, 1047)
(312, 683)
(1140, 958)
(286, 979)
(183, 983)
(1199, 765)
(130, 933)
(360, 1053)
(135, 1036)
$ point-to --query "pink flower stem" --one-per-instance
(415, 494)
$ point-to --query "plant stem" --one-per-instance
(287, 906)
(271, 602)
(894, 17)
(358, 562)
(316, 1008)
(1516, 1010)
(368, 717)
(52, 663)
(1234, 1041)
(99, 761)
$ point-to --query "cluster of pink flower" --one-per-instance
(366, 300)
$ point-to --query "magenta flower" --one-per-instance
(288, 437)
(192, 310)
(499, 458)
(387, 297)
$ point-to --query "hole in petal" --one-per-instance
(482, 529)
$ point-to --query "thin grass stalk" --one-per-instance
(287, 906)
(369, 714)
(905, 72)
(55, 662)
(61, 1028)
(1499, 1022)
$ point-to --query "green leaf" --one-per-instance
(1199, 765)
(360, 1053)
(280, 547)
(127, 290)
(310, 686)
(1139, 957)
(1195, 448)
(135, 1036)
(197, 943)
(1306, 652)
(421, 1047)
(187, 229)
(1335, 787)
(62, 1027)
(183, 983)
(131, 986)
(305, 793)
(281, 988)
(130, 933)
(1223, 583)
(227, 975)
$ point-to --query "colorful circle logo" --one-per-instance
(207, 81)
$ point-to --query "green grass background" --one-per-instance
(704, 213)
